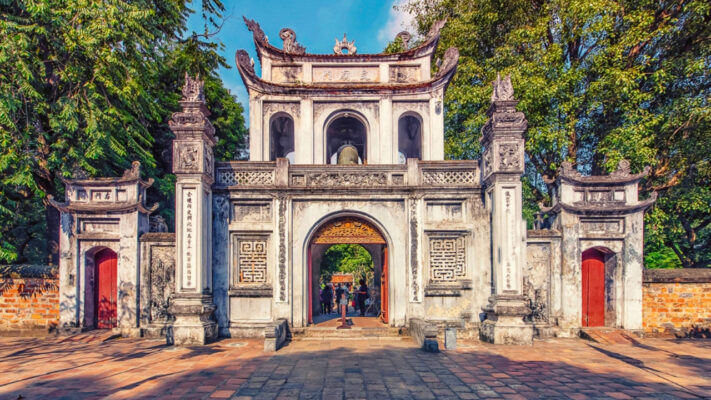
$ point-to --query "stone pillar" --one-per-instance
(502, 167)
(193, 165)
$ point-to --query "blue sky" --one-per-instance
(317, 23)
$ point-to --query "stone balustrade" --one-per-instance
(280, 173)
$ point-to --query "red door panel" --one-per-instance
(384, 315)
(593, 288)
(106, 282)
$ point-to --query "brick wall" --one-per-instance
(677, 301)
(29, 299)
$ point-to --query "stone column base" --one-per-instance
(193, 324)
(504, 322)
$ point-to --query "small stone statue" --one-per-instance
(348, 155)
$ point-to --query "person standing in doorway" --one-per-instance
(339, 294)
(345, 295)
(361, 296)
(328, 297)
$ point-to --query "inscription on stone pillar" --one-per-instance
(189, 237)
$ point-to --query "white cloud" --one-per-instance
(398, 21)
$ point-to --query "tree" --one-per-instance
(86, 88)
(599, 81)
(347, 258)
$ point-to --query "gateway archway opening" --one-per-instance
(344, 251)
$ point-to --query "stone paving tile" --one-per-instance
(57, 368)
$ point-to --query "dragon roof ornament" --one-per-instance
(291, 46)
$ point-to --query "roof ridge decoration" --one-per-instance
(622, 174)
(344, 44)
(289, 54)
(291, 46)
(405, 36)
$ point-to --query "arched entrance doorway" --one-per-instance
(344, 231)
(105, 297)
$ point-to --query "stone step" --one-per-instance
(608, 335)
(315, 333)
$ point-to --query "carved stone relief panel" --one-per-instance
(187, 157)
(447, 257)
(509, 157)
(208, 162)
(536, 277)
(229, 177)
(249, 261)
(444, 211)
(251, 212)
(287, 73)
(162, 278)
(593, 225)
(348, 179)
(404, 73)
(98, 225)
(346, 74)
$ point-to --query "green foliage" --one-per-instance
(599, 81)
(347, 258)
(86, 88)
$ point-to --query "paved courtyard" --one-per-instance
(83, 367)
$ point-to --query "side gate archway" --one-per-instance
(350, 230)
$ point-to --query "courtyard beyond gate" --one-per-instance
(87, 367)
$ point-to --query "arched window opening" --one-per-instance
(409, 138)
(281, 131)
(345, 134)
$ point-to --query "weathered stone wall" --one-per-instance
(29, 299)
(157, 282)
(677, 301)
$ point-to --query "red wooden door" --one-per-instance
(105, 305)
(593, 288)
(384, 287)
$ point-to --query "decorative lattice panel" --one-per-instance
(449, 177)
(447, 258)
(231, 177)
(251, 260)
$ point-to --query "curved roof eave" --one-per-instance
(253, 82)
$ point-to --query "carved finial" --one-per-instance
(193, 89)
(623, 168)
(568, 169)
(344, 45)
(134, 172)
(405, 37)
(503, 91)
(291, 46)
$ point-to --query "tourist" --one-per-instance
(323, 303)
(361, 296)
(345, 294)
(327, 298)
(339, 294)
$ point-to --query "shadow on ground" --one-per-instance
(360, 369)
